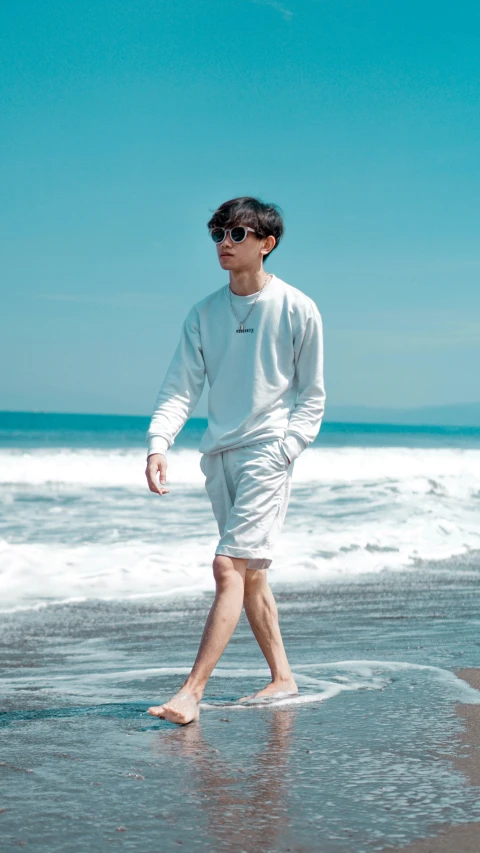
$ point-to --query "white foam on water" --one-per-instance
(455, 687)
(100, 682)
(32, 576)
(418, 469)
(352, 511)
(331, 681)
(93, 467)
(275, 702)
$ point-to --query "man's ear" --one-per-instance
(269, 245)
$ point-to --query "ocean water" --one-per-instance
(77, 520)
(104, 590)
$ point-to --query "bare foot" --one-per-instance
(288, 687)
(183, 708)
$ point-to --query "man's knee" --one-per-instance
(226, 569)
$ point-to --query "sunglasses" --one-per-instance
(237, 234)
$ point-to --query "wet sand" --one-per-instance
(464, 838)
(366, 760)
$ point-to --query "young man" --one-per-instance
(260, 343)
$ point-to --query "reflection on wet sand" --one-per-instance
(468, 759)
(464, 837)
(245, 804)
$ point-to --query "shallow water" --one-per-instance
(360, 759)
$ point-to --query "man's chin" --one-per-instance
(226, 263)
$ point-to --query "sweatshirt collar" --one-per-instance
(251, 297)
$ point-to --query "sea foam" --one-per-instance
(81, 523)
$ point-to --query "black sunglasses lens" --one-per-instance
(238, 234)
(218, 234)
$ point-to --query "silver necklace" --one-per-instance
(242, 322)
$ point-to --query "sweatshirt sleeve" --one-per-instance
(181, 388)
(306, 416)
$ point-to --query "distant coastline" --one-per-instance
(458, 415)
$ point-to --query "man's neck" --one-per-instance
(246, 282)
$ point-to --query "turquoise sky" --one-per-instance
(124, 124)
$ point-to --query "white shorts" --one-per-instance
(249, 489)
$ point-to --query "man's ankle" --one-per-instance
(283, 678)
(194, 688)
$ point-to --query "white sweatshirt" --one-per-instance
(265, 382)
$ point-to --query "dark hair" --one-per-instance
(266, 219)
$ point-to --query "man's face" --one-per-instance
(248, 255)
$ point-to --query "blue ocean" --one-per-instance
(104, 589)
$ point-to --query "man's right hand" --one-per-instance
(156, 462)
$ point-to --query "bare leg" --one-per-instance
(224, 614)
(262, 614)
